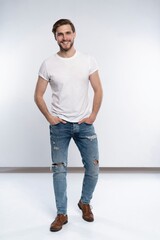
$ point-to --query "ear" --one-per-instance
(74, 34)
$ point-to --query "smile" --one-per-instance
(65, 43)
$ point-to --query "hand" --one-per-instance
(55, 120)
(88, 120)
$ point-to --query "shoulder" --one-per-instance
(85, 56)
(49, 59)
(49, 62)
(46, 67)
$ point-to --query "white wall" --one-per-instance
(124, 36)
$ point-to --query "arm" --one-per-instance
(38, 97)
(97, 100)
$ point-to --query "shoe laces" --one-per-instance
(87, 208)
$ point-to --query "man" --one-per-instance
(69, 73)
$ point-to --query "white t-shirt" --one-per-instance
(69, 81)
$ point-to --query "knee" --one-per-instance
(59, 167)
(96, 167)
(96, 162)
(92, 169)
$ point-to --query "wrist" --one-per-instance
(92, 117)
(49, 118)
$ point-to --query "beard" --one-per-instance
(67, 48)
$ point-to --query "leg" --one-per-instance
(60, 139)
(87, 143)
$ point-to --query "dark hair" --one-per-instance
(61, 22)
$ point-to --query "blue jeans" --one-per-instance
(86, 140)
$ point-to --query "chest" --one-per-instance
(68, 74)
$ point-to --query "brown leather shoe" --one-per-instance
(86, 212)
(59, 221)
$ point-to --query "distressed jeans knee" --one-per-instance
(58, 167)
(59, 171)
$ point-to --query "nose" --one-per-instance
(64, 37)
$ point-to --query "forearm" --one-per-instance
(42, 107)
(97, 100)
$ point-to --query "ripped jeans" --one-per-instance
(85, 138)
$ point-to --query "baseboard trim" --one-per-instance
(80, 169)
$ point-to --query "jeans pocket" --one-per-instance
(89, 124)
(56, 124)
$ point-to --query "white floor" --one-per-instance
(126, 207)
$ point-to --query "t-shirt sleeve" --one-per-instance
(43, 71)
(93, 65)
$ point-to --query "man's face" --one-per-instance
(65, 37)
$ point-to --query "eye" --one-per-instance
(59, 34)
(68, 33)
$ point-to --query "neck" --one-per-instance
(67, 54)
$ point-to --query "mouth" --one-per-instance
(65, 43)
